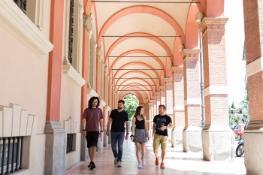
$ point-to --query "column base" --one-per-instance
(218, 143)
(105, 140)
(109, 139)
(253, 148)
(83, 148)
(192, 139)
(100, 143)
(173, 137)
(178, 135)
(55, 148)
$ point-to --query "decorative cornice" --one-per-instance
(21, 26)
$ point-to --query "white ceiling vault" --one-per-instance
(138, 39)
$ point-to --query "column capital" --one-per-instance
(151, 101)
(178, 69)
(214, 23)
(162, 88)
(87, 22)
(168, 80)
(191, 53)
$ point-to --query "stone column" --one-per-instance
(84, 90)
(162, 95)
(216, 135)
(155, 106)
(151, 115)
(158, 102)
(55, 146)
(105, 121)
(179, 115)
(169, 105)
(192, 101)
(169, 97)
(253, 13)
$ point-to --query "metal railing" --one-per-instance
(10, 154)
(71, 139)
(71, 30)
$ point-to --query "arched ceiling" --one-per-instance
(141, 42)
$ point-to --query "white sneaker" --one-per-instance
(140, 165)
(143, 163)
(115, 162)
(119, 164)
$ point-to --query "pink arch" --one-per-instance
(139, 85)
(137, 63)
(135, 85)
(191, 34)
(211, 8)
(137, 51)
(138, 88)
(137, 94)
(145, 35)
(147, 83)
(141, 9)
(140, 72)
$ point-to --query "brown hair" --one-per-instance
(138, 112)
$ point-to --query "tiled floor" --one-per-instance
(177, 163)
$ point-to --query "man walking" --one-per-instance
(117, 120)
(161, 123)
(92, 127)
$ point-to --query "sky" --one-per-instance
(234, 50)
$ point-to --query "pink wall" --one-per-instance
(23, 76)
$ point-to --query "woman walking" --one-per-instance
(139, 135)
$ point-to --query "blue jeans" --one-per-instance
(117, 138)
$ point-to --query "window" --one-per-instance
(34, 10)
(10, 154)
(21, 4)
(71, 30)
(73, 34)
(71, 142)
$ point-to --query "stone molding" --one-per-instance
(19, 25)
(69, 70)
(216, 90)
(15, 121)
(255, 67)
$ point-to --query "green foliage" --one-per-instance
(238, 115)
(131, 103)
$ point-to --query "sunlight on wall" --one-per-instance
(234, 50)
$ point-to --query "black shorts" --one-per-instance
(92, 138)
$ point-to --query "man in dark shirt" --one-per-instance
(161, 123)
(118, 118)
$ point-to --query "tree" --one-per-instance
(238, 115)
(131, 103)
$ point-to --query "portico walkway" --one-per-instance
(177, 163)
